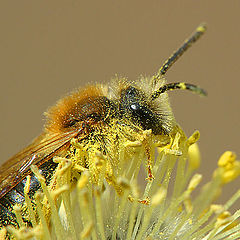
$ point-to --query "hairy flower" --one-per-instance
(86, 206)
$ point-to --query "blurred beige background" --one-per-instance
(48, 48)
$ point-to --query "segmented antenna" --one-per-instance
(179, 85)
(178, 53)
(171, 60)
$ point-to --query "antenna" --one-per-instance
(171, 60)
(179, 85)
(179, 52)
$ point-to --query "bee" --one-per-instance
(96, 117)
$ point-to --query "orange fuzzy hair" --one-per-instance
(71, 106)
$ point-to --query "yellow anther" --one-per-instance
(227, 158)
(194, 138)
(229, 168)
(223, 219)
(224, 215)
(194, 156)
(231, 175)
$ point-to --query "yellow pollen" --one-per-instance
(182, 86)
(201, 28)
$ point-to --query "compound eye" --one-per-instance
(134, 108)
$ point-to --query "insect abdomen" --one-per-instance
(16, 194)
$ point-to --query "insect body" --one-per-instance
(97, 118)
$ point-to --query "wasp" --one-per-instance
(97, 117)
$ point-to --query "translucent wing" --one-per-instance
(41, 150)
